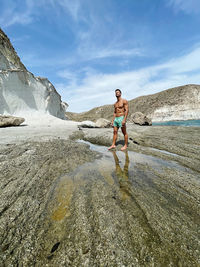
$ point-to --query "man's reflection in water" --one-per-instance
(123, 175)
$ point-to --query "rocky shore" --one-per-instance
(65, 203)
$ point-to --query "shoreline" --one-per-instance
(185, 123)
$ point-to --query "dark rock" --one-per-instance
(55, 246)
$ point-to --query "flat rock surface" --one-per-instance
(69, 203)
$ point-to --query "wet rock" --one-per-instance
(6, 120)
(140, 118)
(27, 181)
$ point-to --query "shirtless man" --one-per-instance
(119, 119)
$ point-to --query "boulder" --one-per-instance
(87, 124)
(140, 118)
(103, 123)
(6, 121)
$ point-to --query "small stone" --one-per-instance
(55, 247)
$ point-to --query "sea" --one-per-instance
(188, 123)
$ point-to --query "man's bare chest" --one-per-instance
(119, 105)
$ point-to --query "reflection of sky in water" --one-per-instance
(134, 157)
(164, 151)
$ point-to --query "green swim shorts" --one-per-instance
(118, 121)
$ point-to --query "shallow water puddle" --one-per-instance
(116, 168)
(133, 157)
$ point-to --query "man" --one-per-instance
(119, 119)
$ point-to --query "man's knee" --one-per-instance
(124, 131)
(115, 131)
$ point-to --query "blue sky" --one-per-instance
(88, 48)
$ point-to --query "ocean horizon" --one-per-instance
(187, 123)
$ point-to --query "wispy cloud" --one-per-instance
(12, 14)
(187, 6)
(72, 7)
(98, 89)
(89, 54)
(24, 12)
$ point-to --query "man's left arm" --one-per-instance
(126, 111)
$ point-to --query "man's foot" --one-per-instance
(111, 147)
(124, 148)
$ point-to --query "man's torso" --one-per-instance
(120, 108)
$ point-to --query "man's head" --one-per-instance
(118, 92)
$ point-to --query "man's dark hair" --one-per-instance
(118, 90)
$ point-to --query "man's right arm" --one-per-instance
(114, 115)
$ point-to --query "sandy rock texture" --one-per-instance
(10, 121)
(28, 175)
(63, 203)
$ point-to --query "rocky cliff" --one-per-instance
(179, 103)
(21, 93)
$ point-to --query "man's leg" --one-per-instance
(125, 138)
(114, 137)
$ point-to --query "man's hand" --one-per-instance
(123, 122)
(112, 122)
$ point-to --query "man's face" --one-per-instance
(117, 93)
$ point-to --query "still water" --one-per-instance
(187, 123)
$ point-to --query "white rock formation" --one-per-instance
(21, 93)
(189, 109)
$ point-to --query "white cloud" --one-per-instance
(187, 6)
(98, 89)
(90, 54)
